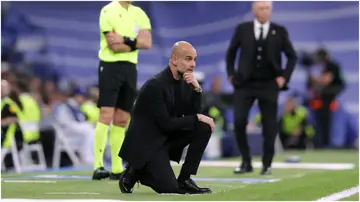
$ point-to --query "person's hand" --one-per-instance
(113, 38)
(207, 120)
(190, 79)
(280, 81)
(230, 79)
(8, 121)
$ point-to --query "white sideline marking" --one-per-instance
(28, 181)
(340, 195)
(321, 166)
(71, 193)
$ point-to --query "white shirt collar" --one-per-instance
(257, 24)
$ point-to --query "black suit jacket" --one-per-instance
(277, 42)
(153, 119)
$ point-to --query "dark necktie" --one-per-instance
(261, 34)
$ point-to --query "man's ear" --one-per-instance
(173, 59)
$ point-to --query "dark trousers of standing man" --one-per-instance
(266, 92)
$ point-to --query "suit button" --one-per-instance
(259, 49)
(259, 57)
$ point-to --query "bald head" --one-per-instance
(262, 10)
(180, 47)
(183, 57)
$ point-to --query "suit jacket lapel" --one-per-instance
(269, 39)
(252, 36)
(271, 33)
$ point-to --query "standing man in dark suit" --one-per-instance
(259, 76)
(165, 119)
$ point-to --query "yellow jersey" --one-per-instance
(126, 22)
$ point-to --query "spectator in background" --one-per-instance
(35, 84)
(11, 114)
(9, 121)
(324, 90)
(88, 105)
(213, 98)
(214, 107)
(31, 112)
(47, 132)
(48, 89)
(295, 129)
(72, 120)
(6, 74)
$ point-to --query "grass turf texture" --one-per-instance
(292, 184)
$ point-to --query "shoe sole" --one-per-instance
(197, 193)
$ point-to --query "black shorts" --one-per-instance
(117, 85)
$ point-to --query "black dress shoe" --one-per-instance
(190, 187)
(127, 180)
(244, 168)
(266, 171)
(100, 174)
(115, 176)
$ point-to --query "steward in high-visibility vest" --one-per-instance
(294, 128)
(30, 117)
(27, 112)
(9, 119)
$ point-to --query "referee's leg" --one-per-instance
(109, 85)
(124, 104)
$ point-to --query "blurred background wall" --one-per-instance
(55, 44)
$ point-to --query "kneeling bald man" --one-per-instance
(165, 119)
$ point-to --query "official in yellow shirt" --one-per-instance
(124, 29)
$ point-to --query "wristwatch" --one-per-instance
(198, 89)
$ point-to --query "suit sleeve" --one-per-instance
(232, 51)
(290, 55)
(155, 99)
(194, 107)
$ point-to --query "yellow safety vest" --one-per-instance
(292, 122)
(126, 22)
(219, 120)
(30, 119)
(10, 133)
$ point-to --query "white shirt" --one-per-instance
(64, 116)
(265, 29)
